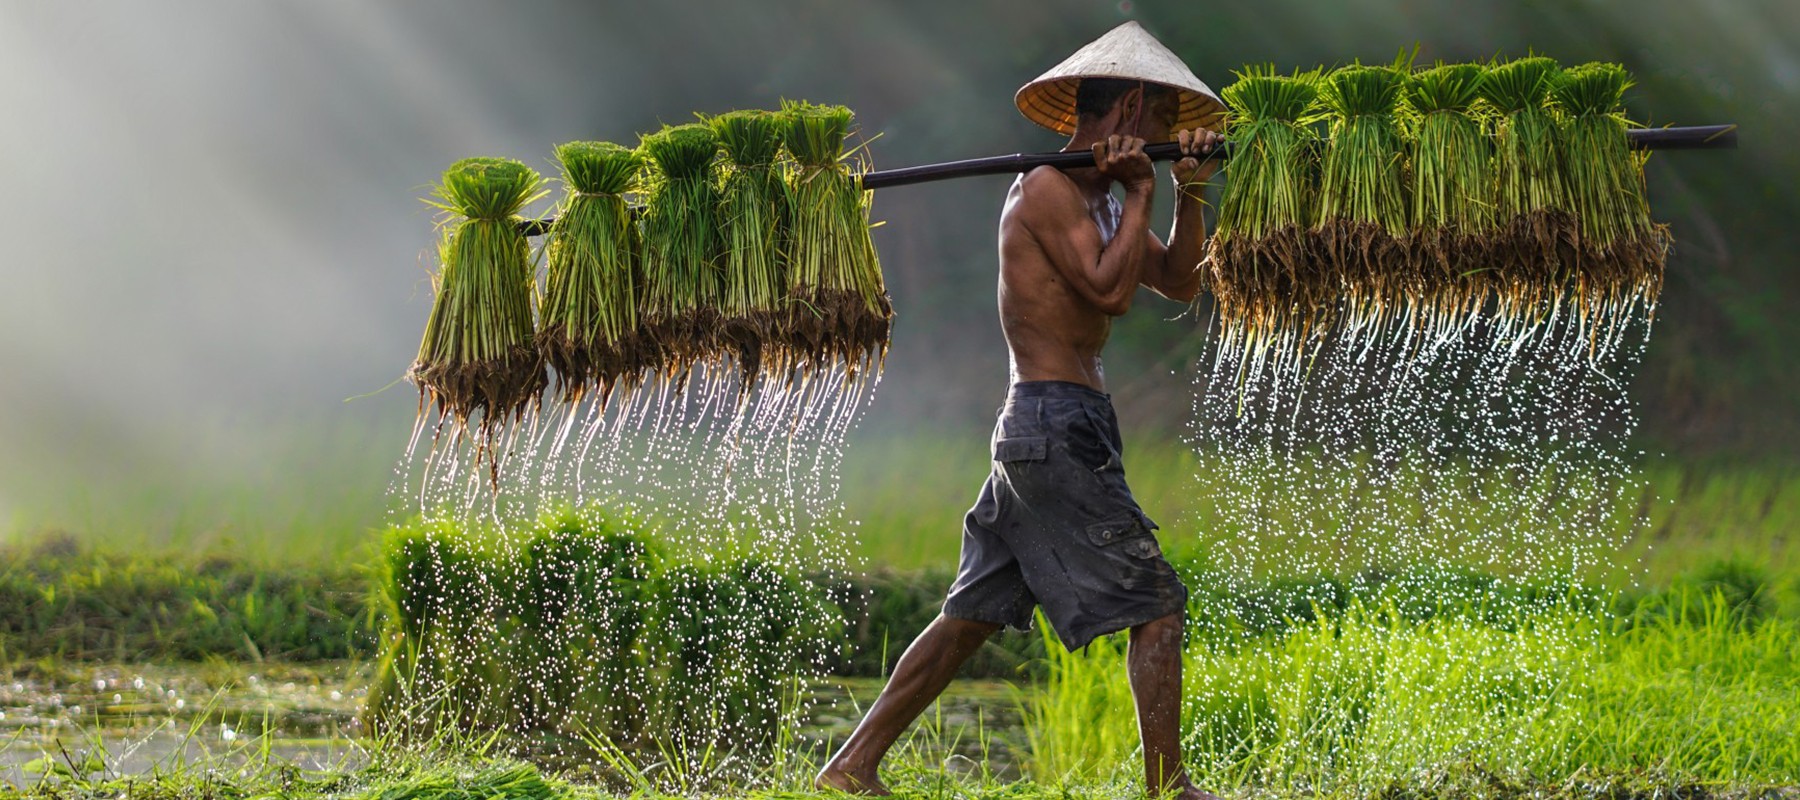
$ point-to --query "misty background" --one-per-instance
(216, 257)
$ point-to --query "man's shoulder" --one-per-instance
(1046, 179)
(1043, 190)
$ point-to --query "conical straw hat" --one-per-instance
(1128, 52)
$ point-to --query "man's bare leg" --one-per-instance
(1155, 665)
(926, 667)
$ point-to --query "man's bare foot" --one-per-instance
(843, 780)
(1188, 791)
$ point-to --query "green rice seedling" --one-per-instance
(682, 276)
(588, 316)
(840, 311)
(1537, 236)
(1258, 265)
(1452, 189)
(754, 211)
(693, 604)
(436, 666)
(1361, 230)
(478, 356)
(1621, 251)
(584, 613)
(783, 626)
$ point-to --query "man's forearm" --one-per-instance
(1187, 245)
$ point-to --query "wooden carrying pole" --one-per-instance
(1698, 137)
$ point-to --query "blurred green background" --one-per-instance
(214, 235)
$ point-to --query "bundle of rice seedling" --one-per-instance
(1361, 230)
(588, 316)
(1536, 231)
(1260, 272)
(1621, 251)
(682, 276)
(754, 210)
(478, 354)
(1452, 189)
(840, 310)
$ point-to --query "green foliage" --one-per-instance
(1621, 250)
(599, 167)
(587, 631)
(682, 274)
(1452, 190)
(478, 354)
(755, 210)
(1444, 87)
(1362, 219)
(588, 316)
(752, 137)
(814, 134)
(1368, 701)
(1531, 201)
(1260, 272)
(488, 188)
(62, 599)
(840, 312)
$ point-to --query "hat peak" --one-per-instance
(1129, 52)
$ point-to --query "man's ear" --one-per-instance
(1129, 103)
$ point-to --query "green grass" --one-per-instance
(1370, 703)
(1383, 690)
(305, 508)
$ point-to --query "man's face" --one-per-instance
(1157, 120)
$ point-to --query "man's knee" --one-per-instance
(967, 630)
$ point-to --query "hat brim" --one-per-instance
(1051, 103)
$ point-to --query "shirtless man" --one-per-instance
(1056, 525)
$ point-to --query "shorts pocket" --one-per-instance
(1128, 534)
(1021, 448)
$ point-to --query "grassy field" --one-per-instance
(911, 500)
(1677, 669)
(909, 496)
(1556, 703)
(1367, 703)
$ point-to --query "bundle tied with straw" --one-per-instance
(1361, 231)
(1452, 190)
(839, 310)
(682, 278)
(1260, 272)
(588, 315)
(754, 208)
(1620, 251)
(1536, 238)
(478, 355)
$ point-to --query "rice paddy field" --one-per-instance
(637, 542)
(187, 661)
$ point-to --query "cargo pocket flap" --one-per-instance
(1021, 448)
(1131, 531)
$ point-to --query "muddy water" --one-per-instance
(131, 719)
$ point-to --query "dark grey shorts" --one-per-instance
(1056, 525)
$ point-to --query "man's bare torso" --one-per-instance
(1052, 332)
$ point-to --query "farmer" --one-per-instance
(1055, 526)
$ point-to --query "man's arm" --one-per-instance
(1174, 270)
(1053, 211)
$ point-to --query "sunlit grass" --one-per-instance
(1369, 703)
